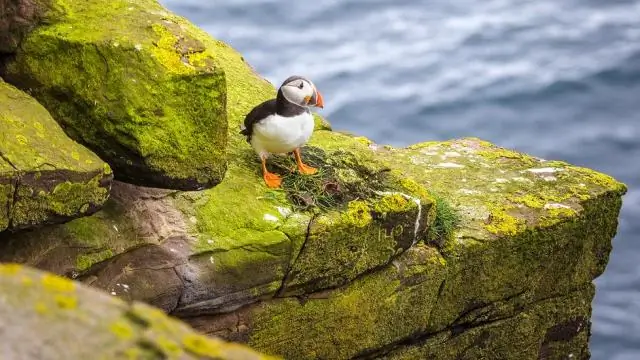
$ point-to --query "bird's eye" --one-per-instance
(301, 85)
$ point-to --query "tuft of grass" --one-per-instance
(447, 221)
(325, 189)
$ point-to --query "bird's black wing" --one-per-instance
(256, 115)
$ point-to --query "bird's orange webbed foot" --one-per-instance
(302, 167)
(272, 180)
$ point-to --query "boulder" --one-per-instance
(134, 83)
(45, 177)
(46, 317)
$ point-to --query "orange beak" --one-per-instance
(319, 100)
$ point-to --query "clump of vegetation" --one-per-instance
(329, 187)
(446, 222)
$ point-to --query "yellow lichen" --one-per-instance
(600, 179)
(166, 53)
(10, 269)
(122, 329)
(391, 203)
(56, 283)
(501, 223)
(496, 153)
(414, 187)
(41, 308)
(357, 214)
(530, 200)
(200, 345)
(169, 347)
(66, 302)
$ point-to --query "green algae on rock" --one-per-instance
(48, 314)
(45, 177)
(138, 88)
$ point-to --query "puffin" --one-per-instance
(283, 125)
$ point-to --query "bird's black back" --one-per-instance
(257, 114)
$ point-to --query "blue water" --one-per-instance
(557, 79)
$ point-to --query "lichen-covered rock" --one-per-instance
(528, 226)
(43, 316)
(518, 270)
(135, 84)
(45, 177)
(205, 252)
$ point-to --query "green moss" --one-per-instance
(67, 199)
(85, 261)
(555, 215)
(6, 202)
(358, 214)
(57, 177)
(496, 154)
(600, 179)
(551, 328)
(341, 245)
(368, 313)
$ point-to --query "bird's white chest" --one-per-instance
(279, 134)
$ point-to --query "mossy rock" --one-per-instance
(45, 177)
(49, 317)
(527, 225)
(135, 84)
(550, 238)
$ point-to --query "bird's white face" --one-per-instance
(302, 92)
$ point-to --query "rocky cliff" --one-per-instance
(456, 249)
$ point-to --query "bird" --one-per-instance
(283, 125)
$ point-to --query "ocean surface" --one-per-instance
(557, 79)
